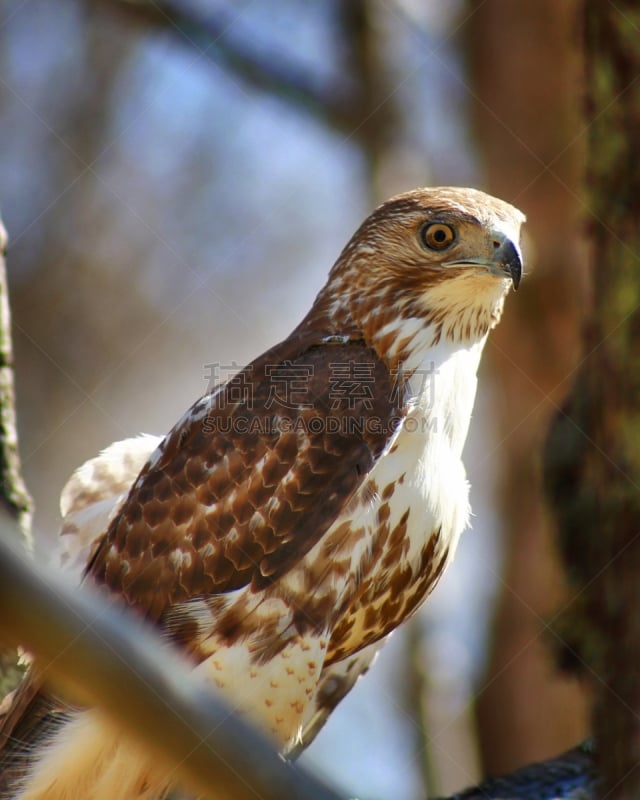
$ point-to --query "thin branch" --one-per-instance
(258, 67)
(13, 492)
(14, 497)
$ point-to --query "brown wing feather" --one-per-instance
(239, 494)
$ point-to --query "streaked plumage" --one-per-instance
(279, 542)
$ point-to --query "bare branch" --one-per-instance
(14, 497)
(258, 67)
(13, 492)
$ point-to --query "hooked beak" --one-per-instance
(507, 256)
(506, 259)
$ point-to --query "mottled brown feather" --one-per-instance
(221, 500)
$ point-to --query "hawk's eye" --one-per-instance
(437, 236)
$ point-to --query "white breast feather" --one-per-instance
(427, 448)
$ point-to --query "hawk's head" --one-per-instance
(441, 258)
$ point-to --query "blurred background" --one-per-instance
(177, 179)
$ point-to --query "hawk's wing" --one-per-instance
(252, 476)
(237, 492)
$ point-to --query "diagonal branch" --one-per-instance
(102, 656)
(257, 66)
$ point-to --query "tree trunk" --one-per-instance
(13, 493)
(525, 67)
(593, 453)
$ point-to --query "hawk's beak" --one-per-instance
(507, 257)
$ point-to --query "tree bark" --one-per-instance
(525, 71)
(593, 452)
(13, 493)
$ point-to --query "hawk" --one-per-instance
(298, 513)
